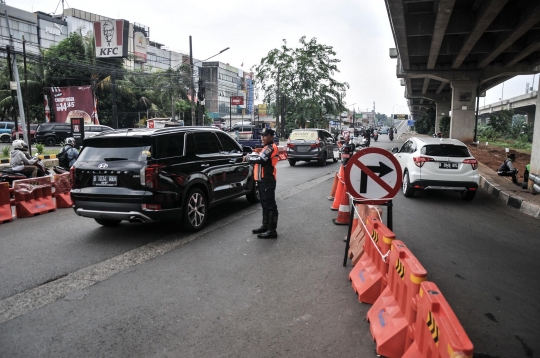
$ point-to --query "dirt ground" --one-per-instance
(493, 157)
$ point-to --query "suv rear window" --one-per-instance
(445, 150)
(305, 135)
(108, 149)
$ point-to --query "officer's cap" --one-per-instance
(268, 131)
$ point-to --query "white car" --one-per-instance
(437, 164)
(91, 130)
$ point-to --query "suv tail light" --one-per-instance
(72, 176)
(472, 162)
(149, 175)
(317, 143)
(419, 161)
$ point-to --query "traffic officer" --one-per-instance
(264, 174)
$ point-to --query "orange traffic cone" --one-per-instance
(344, 214)
(339, 190)
(334, 186)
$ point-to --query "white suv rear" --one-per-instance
(437, 164)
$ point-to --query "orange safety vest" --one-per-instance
(267, 170)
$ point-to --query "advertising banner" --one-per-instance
(262, 110)
(77, 130)
(72, 102)
(111, 38)
(140, 43)
(237, 100)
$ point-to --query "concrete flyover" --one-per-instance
(449, 51)
(524, 104)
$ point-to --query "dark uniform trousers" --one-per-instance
(267, 194)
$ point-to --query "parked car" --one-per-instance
(159, 174)
(437, 164)
(94, 129)
(52, 133)
(311, 144)
(242, 127)
(32, 138)
(5, 131)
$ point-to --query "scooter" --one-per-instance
(9, 175)
(391, 135)
(375, 137)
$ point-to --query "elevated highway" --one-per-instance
(450, 51)
(524, 104)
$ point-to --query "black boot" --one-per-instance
(272, 226)
(264, 226)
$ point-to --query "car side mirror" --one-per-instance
(246, 149)
(394, 150)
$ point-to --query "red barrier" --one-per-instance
(393, 314)
(437, 331)
(282, 153)
(358, 233)
(367, 275)
(62, 187)
(339, 190)
(5, 204)
(33, 196)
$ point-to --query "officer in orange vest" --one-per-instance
(264, 173)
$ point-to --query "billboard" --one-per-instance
(140, 43)
(111, 38)
(237, 100)
(262, 110)
(72, 102)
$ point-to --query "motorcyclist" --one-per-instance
(367, 136)
(347, 149)
(72, 152)
(19, 161)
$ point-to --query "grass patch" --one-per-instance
(521, 147)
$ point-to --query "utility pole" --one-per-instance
(13, 112)
(193, 118)
(26, 97)
(115, 114)
(16, 73)
(278, 97)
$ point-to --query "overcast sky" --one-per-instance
(358, 30)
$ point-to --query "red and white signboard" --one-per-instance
(373, 174)
(111, 38)
(237, 100)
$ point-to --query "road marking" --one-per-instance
(37, 297)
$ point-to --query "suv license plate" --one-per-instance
(448, 165)
(104, 180)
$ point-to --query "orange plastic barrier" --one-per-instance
(33, 196)
(334, 187)
(394, 313)
(339, 190)
(62, 187)
(5, 204)
(437, 331)
(344, 213)
(358, 233)
(368, 277)
(282, 153)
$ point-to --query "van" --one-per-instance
(5, 131)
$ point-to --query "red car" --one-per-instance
(33, 128)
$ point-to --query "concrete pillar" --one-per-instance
(442, 109)
(463, 110)
(531, 115)
(535, 153)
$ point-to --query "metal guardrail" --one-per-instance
(535, 178)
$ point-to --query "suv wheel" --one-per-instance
(50, 141)
(408, 190)
(468, 194)
(108, 222)
(253, 196)
(195, 210)
(6, 138)
(292, 162)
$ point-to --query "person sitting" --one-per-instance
(507, 169)
(19, 162)
(72, 154)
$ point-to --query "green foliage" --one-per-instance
(426, 123)
(40, 148)
(501, 121)
(444, 126)
(5, 151)
(306, 81)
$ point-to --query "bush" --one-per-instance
(5, 151)
(40, 148)
(444, 126)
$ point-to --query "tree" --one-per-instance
(444, 126)
(307, 87)
(426, 123)
(501, 121)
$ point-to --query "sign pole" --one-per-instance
(230, 113)
(347, 245)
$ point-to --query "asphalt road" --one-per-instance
(73, 288)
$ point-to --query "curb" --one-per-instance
(516, 202)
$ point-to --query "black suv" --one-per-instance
(159, 174)
(52, 133)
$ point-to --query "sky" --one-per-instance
(358, 31)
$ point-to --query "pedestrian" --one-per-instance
(19, 161)
(264, 174)
(507, 169)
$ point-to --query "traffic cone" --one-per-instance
(334, 186)
(339, 190)
(344, 214)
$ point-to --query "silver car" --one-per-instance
(311, 144)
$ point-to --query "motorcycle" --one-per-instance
(391, 135)
(375, 137)
(8, 175)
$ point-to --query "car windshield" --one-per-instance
(446, 150)
(133, 149)
(305, 135)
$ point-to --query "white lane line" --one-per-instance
(34, 298)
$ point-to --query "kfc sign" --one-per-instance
(237, 100)
(111, 38)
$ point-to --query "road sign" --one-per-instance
(373, 173)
